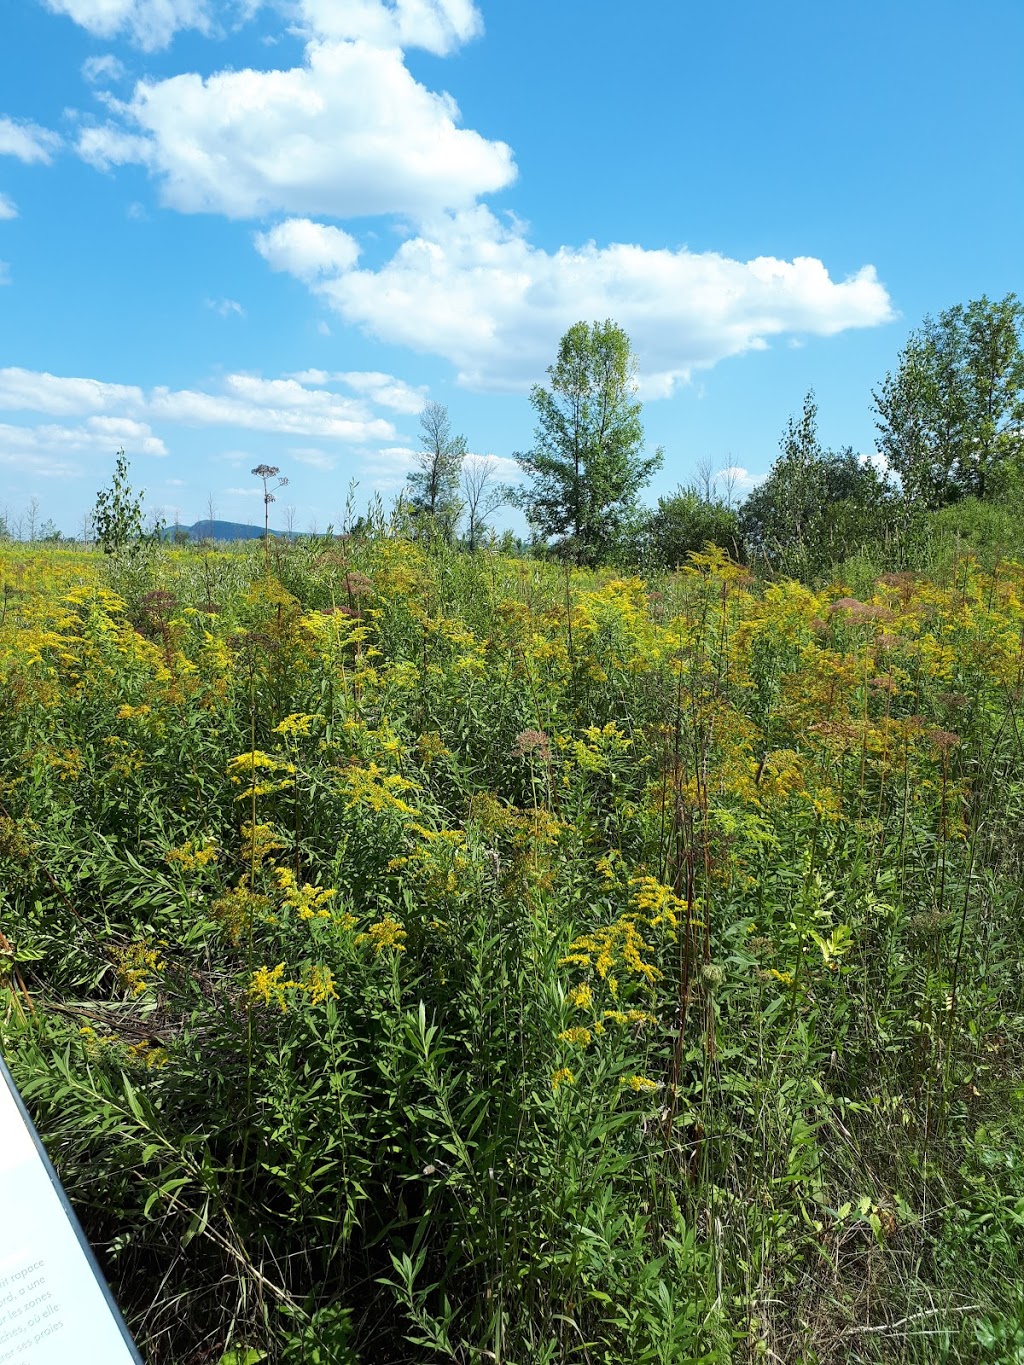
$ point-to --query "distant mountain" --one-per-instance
(219, 530)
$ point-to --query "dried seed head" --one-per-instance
(532, 741)
(712, 976)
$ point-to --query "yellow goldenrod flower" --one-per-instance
(581, 996)
(267, 986)
(578, 1037)
(385, 933)
(641, 1084)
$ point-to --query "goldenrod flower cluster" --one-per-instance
(385, 935)
(260, 774)
(193, 854)
(308, 902)
(137, 965)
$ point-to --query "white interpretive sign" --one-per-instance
(55, 1308)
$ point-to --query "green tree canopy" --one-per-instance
(816, 506)
(587, 465)
(687, 520)
(951, 416)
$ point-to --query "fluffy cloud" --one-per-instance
(105, 432)
(38, 391)
(8, 208)
(274, 405)
(307, 250)
(49, 449)
(389, 466)
(348, 133)
(474, 290)
(149, 23)
(351, 133)
(437, 25)
(27, 141)
(245, 401)
(384, 390)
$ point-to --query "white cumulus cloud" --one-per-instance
(389, 466)
(123, 431)
(474, 290)
(735, 479)
(439, 26)
(49, 448)
(57, 396)
(277, 405)
(27, 141)
(245, 401)
(348, 133)
(149, 23)
(8, 208)
(501, 468)
(384, 390)
(306, 249)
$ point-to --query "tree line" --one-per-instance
(950, 420)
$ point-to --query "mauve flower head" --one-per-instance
(532, 742)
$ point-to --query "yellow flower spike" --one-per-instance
(136, 965)
(384, 934)
(320, 983)
(618, 943)
(307, 901)
(641, 1084)
(298, 724)
(581, 996)
(259, 842)
(193, 855)
(377, 790)
(244, 768)
(266, 985)
(562, 1077)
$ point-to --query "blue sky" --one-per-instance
(244, 232)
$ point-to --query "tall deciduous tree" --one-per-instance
(951, 416)
(587, 465)
(434, 483)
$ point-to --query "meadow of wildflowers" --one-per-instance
(417, 956)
